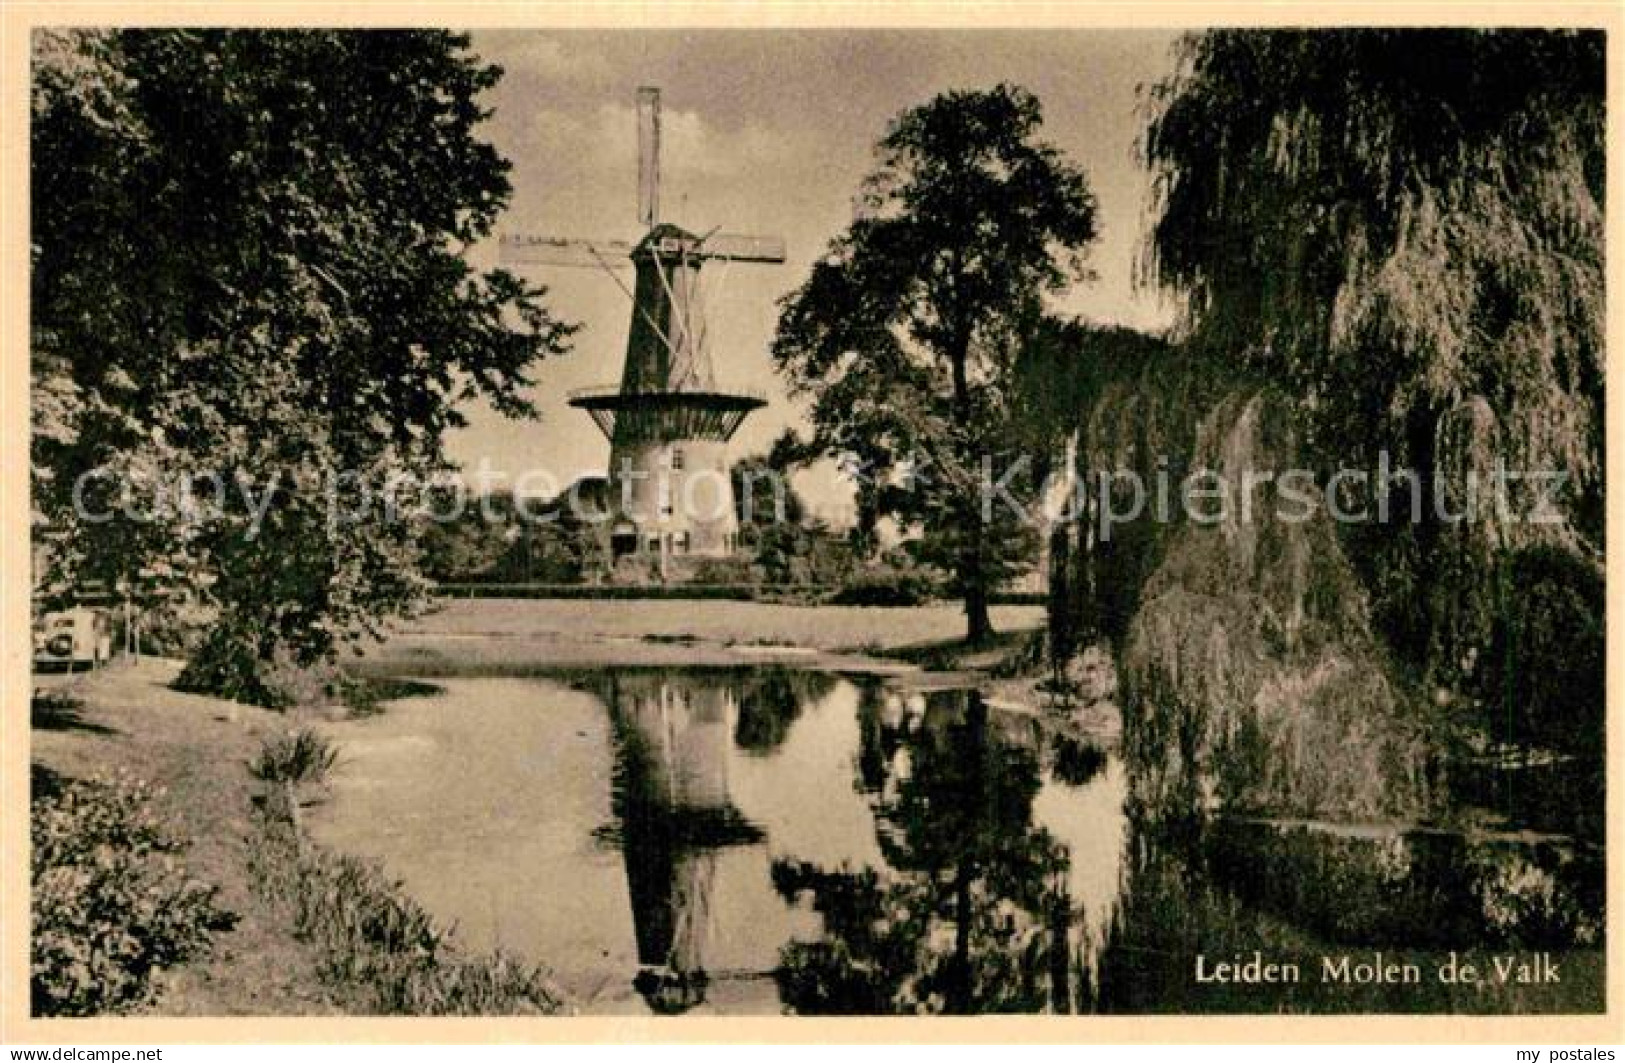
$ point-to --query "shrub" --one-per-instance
(740, 592)
(173, 629)
(223, 666)
(365, 695)
(110, 904)
(722, 571)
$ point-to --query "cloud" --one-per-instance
(605, 140)
(541, 56)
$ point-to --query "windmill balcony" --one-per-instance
(613, 391)
(627, 417)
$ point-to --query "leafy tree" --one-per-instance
(496, 537)
(248, 277)
(1405, 228)
(466, 549)
(905, 333)
(763, 495)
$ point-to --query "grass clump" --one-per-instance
(111, 905)
(298, 757)
(285, 763)
(376, 944)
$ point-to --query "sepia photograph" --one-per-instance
(787, 521)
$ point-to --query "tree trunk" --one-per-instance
(1073, 604)
(1062, 626)
(978, 624)
(959, 987)
(972, 559)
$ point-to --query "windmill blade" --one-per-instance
(648, 155)
(521, 250)
(739, 248)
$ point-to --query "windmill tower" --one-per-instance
(667, 421)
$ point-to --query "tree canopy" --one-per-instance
(906, 332)
(1404, 228)
(248, 268)
(1400, 221)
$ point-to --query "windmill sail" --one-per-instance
(668, 421)
(518, 250)
(738, 248)
(648, 156)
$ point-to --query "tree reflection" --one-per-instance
(971, 913)
(1299, 891)
(770, 700)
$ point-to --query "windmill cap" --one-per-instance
(665, 241)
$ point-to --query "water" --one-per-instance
(762, 840)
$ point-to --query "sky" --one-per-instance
(766, 132)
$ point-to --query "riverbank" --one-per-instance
(193, 750)
(296, 929)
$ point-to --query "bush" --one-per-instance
(111, 906)
(365, 695)
(739, 592)
(227, 666)
(173, 629)
(722, 571)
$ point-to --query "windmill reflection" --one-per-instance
(673, 740)
(675, 736)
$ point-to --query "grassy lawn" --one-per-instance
(510, 636)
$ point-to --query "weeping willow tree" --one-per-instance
(1405, 229)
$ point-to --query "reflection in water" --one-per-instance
(988, 900)
(972, 911)
(1302, 892)
(672, 802)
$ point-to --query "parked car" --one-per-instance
(80, 635)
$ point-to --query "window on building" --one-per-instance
(653, 544)
(679, 543)
(676, 459)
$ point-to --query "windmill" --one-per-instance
(667, 421)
